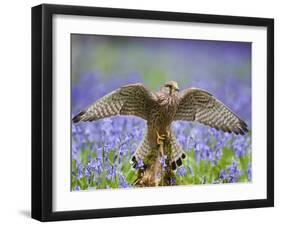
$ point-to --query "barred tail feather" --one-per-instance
(142, 151)
(177, 153)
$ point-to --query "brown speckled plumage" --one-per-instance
(160, 109)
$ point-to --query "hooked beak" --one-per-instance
(176, 88)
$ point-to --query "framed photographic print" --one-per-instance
(140, 112)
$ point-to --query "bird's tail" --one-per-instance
(177, 153)
(142, 151)
(144, 148)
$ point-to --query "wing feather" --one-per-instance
(132, 99)
(199, 105)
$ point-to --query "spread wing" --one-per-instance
(132, 99)
(198, 105)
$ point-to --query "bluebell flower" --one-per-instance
(88, 172)
(190, 170)
(77, 188)
(163, 162)
(140, 165)
(181, 171)
(80, 172)
(231, 174)
(249, 172)
(122, 181)
(222, 175)
(173, 181)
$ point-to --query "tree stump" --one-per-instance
(157, 170)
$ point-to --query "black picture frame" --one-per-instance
(42, 108)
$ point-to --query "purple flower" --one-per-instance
(88, 172)
(77, 188)
(110, 172)
(173, 181)
(190, 170)
(234, 172)
(222, 175)
(240, 146)
(80, 172)
(139, 165)
(204, 152)
(231, 174)
(122, 181)
(95, 165)
(163, 162)
(249, 172)
(181, 171)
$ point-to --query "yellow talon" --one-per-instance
(160, 139)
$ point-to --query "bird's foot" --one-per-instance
(160, 138)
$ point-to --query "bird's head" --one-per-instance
(170, 87)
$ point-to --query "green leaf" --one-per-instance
(131, 176)
(73, 182)
(73, 166)
(110, 156)
(83, 183)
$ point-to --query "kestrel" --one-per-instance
(160, 109)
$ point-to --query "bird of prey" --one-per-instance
(160, 109)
